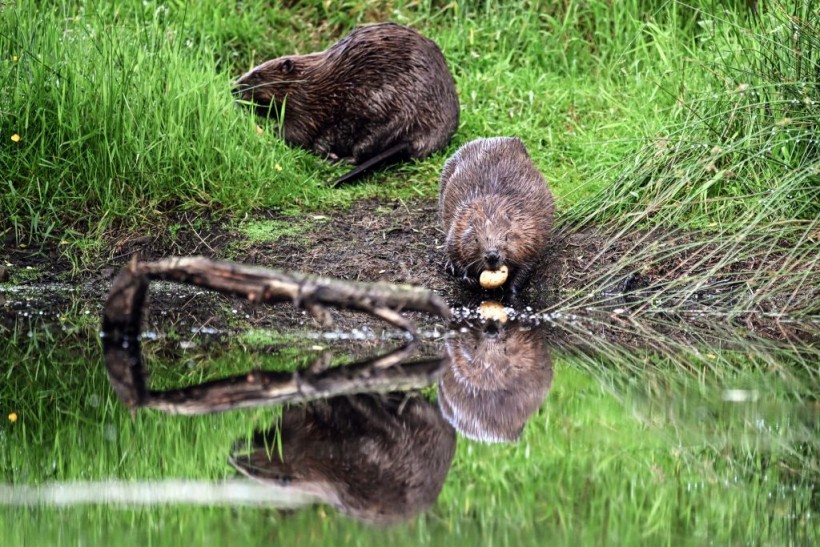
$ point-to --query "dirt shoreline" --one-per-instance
(373, 240)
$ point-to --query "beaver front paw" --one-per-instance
(469, 280)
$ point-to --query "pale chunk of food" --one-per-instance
(491, 310)
(490, 279)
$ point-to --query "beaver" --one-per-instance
(381, 94)
(496, 210)
(380, 459)
(498, 376)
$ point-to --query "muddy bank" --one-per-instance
(586, 272)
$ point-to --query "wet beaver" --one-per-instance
(496, 210)
(383, 93)
(497, 378)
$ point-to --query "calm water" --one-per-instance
(544, 431)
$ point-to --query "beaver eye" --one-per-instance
(287, 66)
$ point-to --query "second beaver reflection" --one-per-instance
(498, 376)
(380, 459)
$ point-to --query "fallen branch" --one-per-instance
(122, 317)
(311, 292)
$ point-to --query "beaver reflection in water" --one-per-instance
(378, 459)
(497, 378)
(382, 93)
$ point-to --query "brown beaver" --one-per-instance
(496, 210)
(383, 93)
(498, 376)
(380, 459)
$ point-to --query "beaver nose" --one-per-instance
(244, 83)
(238, 87)
(492, 258)
(491, 329)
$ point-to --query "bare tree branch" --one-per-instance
(122, 317)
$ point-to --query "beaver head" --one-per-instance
(492, 231)
(274, 83)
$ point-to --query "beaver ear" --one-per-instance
(287, 66)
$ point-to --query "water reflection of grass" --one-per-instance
(629, 447)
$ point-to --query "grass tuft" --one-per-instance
(743, 149)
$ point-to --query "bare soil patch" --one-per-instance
(373, 240)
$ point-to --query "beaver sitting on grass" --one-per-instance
(381, 94)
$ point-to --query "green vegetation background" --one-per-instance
(117, 113)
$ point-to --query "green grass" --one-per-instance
(124, 109)
(743, 150)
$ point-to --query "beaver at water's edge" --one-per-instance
(496, 210)
(382, 93)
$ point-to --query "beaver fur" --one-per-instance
(383, 93)
(496, 209)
